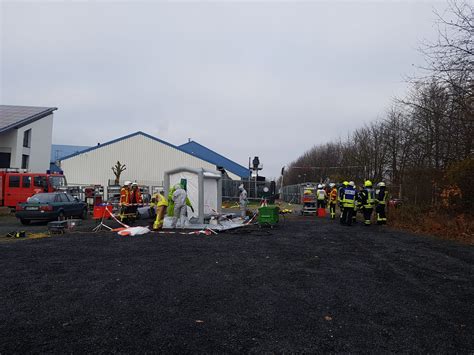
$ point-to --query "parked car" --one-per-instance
(396, 202)
(50, 206)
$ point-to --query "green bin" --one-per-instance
(268, 215)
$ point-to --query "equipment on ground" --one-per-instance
(321, 212)
(16, 234)
(308, 199)
(268, 215)
(102, 211)
(60, 227)
(93, 195)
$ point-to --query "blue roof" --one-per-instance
(54, 168)
(59, 151)
(211, 156)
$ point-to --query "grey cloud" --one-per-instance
(280, 72)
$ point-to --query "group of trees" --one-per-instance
(423, 147)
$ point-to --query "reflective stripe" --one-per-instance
(369, 195)
(348, 197)
(321, 194)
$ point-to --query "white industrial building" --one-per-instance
(146, 159)
(25, 137)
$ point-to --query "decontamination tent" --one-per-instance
(204, 189)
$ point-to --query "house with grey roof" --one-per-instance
(25, 137)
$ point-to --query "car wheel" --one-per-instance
(61, 216)
(25, 222)
(84, 214)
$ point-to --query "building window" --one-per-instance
(5, 160)
(27, 138)
(14, 181)
(25, 159)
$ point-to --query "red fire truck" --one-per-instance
(16, 186)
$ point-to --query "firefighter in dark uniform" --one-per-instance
(356, 202)
(367, 201)
(340, 196)
(348, 203)
(381, 197)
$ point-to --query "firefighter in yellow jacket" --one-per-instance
(161, 203)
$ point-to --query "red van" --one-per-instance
(16, 187)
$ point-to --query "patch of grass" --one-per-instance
(459, 226)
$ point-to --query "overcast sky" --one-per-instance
(243, 78)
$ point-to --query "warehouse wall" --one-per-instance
(145, 158)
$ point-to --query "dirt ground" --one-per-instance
(309, 285)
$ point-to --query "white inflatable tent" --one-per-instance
(204, 189)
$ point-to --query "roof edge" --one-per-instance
(130, 136)
(28, 120)
(213, 151)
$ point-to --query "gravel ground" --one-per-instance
(309, 285)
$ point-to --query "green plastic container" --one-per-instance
(268, 215)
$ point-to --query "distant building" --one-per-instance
(146, 158)
(25, 137)
(59, 151)
(234, 170)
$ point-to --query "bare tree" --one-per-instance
(118, 169)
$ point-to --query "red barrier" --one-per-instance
(101, 211)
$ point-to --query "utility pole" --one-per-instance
(256, 167)
(282, 176)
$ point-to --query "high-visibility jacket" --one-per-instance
(124, 196)
(348, 197)
(136, 196)
(321, 194)
(333, 196)
(381, 196)
(158, 200)
(367, 198)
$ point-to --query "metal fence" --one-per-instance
(292, 193)
(230, 189)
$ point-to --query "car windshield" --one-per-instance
(42, 198)
(57, 182)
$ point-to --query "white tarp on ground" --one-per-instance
(220, 226)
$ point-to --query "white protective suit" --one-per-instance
(243, 201)
(180, 208)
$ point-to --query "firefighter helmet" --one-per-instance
(368, 183)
